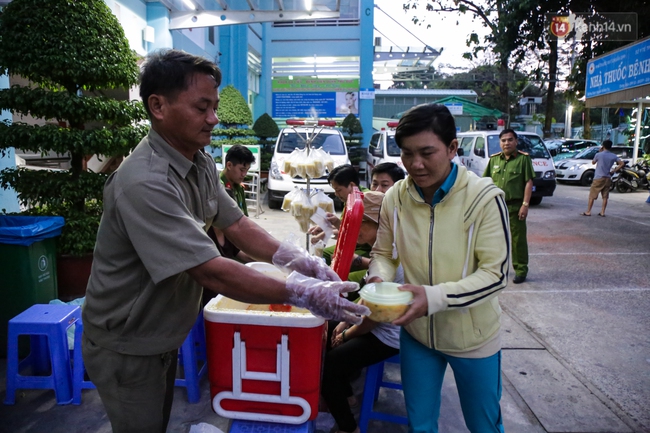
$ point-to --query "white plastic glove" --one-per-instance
(323, 298)
(293, 258)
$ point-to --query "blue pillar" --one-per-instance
(158, 18)
(233, 44)
(8, 197)
(264, 101)
(367, 16)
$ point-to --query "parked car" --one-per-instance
(383, 148)
(473, 155)
(562, 145)
(329, 139)
(565, 155)
(581, 169)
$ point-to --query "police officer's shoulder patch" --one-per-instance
(523, 153)
(497, 154)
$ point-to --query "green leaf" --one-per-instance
(233, 109)
(70, 51)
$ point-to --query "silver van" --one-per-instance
(383, 148)
(476, 147)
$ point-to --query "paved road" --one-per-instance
(588, 295)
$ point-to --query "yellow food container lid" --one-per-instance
(385, 293)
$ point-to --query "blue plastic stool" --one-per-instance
(79, 371)
(242, 426)
(374, 381)
(191, 353)
(47, 327)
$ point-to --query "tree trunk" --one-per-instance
(504, 90)
(550, 95)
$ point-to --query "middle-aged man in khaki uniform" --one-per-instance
(512, 171)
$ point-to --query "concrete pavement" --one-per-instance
(575, 335)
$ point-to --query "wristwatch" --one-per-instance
(525, 203)
(343, 335)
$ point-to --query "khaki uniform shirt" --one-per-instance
(157, 208)
(511, 175)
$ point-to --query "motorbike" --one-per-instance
(630, 178)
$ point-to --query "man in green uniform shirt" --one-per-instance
(512, 171)
(238, 162)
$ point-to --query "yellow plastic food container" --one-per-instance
(385, 301)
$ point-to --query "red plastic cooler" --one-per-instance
(263, 365)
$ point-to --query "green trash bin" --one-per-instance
(27, 266)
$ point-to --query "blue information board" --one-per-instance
(620, 70)
(298, 104)
(314, 104)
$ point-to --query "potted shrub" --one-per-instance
(267, 131)
(71, 52)
(352, 129)
(234, 120)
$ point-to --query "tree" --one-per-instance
(504, 19)
(234, 118)
(352, 127)
(71, 51)
(267, 131)
(536, 37)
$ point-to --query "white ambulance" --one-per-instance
(476, 147)
(324, 136)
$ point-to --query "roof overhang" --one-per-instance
(392, 60)
(628, 98)
(194, 19)
(187, 14)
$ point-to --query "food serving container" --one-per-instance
(385, 301)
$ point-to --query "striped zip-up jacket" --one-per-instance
(459, 250)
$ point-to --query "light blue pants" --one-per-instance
(478, 382)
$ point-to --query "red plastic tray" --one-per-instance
(348, 234)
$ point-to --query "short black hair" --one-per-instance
(434, 118)
(169, 72)
(391, 169)
(239, 154)
(607, 144)
(344, 175)
(508, 131)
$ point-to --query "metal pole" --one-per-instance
(637, 132)
(308, 148)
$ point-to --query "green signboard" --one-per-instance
(308, 84)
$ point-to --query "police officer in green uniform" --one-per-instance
(238, 162)
(512, 171)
